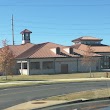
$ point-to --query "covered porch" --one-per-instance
(35, 66)
(23, 67)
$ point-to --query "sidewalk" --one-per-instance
(35, 104)
(54, 80)
(21, 82)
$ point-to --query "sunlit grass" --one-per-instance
(55, 76)
(91, 94)
(24, 84)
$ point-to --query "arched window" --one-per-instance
(58, 50)
(71, 50)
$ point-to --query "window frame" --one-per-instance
(24, 65)
(37, 67)
(48, 66)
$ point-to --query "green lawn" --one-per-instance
(57, 76)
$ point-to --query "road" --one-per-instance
(13, 96)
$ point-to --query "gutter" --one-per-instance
(75, 103)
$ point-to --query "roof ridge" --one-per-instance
(43, 44)
(46, 44)
(84, 50)
(88, 52)
(22, 44)
(34, 50)
(90, 38)
(58, 44)
(101, 46)
(26, 51)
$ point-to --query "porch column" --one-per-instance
(21, 68)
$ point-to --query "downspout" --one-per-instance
(100, 64)
(54, 65)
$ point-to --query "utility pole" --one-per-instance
(12, 31)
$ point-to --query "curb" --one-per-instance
(75, 102)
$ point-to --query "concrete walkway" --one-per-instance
(21, 82)
(35, 104)
(54, 80)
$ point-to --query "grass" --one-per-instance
(91, 94)
(45, 77)
(55, 76)
(13, 85)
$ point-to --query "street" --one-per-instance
(12, 96)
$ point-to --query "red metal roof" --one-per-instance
(19, 49)
(42, 50)
(101, 49)
(96, 49)
(87, 38)
(25, 31)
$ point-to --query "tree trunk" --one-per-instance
(5, 74)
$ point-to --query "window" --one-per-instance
(58, 50)
(26, 34)
(19, 65)
(98, 42)
(35, 65)
(23, 37)
(48, 65)
(24, 65)
(71, 50)
(105, 62)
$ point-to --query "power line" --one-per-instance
(57, 5)
(72, 24)
(52, 28)
(65, 34)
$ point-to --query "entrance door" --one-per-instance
(64, 68)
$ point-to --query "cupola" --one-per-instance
(26, 36)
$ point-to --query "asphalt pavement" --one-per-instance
(12, 96)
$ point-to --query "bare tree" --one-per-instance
(88, 58)
(6, 59)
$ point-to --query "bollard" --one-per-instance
(107, 75)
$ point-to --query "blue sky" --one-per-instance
(58, 21)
